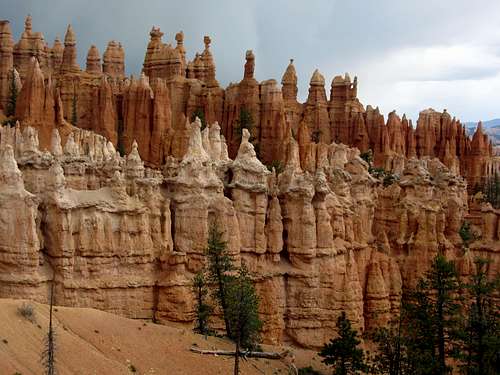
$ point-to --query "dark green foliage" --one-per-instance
(392, 356)
(74, 110)
(431, 312)
(480, 340)
(203, 310)
(315, 136)
(277, 165)
(491, 190)
(308, 371)
(367, 156)
(343, 353)
(120, 130)
(389, 179)
(220, 266)
(243, 313)
(467, 235)
(377, 172)
(200, 113)
(245, 121)
(11, 104)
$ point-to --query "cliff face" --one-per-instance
(118, 236)
(193, 88)
(126, 231)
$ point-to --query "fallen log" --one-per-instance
(267, 355)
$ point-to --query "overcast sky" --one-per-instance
(408, 55)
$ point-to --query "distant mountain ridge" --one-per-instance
(486, 124)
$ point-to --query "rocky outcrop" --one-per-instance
(114, 60)
(317, 241)
(6, 62)
(116, 208)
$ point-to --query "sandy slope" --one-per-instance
(94, 342)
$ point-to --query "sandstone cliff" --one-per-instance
(115, 208)
(119, 236)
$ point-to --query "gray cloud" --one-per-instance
(358, 36)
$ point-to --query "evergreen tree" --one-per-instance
(392, 356)
(200, 113)
(74, 110)
(203, 310)
(343, 352)
(480, 340)
(245, 121)
(432, 313)
(11, 104)
(220, 266)
(491, 190)
(243, 313)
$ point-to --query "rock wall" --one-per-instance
(119, 236)
(193, 88)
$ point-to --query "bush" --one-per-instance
(27, 311)
(367, 156)
(277, 165)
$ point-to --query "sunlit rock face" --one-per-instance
(110, 185)
(117, 235)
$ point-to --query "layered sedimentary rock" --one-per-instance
(116, 207)
(274, 111)
(122, 237)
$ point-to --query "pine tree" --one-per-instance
(343, 353)
(74, 110)
(220, 266)
(245, 121)
(11, 105)
(203, 310)
(480, 341)
(392, 356)
(200, 113)
(432, 312)
(243, 313)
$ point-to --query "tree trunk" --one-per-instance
(237, 357)
(266, 355)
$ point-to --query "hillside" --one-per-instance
(94, 342)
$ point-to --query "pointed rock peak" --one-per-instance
(338, 80)
(479, 128)
(57, 178)
(155, 33)
(207, 41)
(27, 24)
(93, 52)
(249, 64)
(290, 75)
(70, 37)
(10, 174)
(347, 78)
(317, 79)
(195, 152)
(71, 147)
(144, 81)
(55, 145)
(179, 38)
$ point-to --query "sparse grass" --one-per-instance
(27, 311)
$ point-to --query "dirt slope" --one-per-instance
(94, 342)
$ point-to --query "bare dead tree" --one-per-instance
(48, 358)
